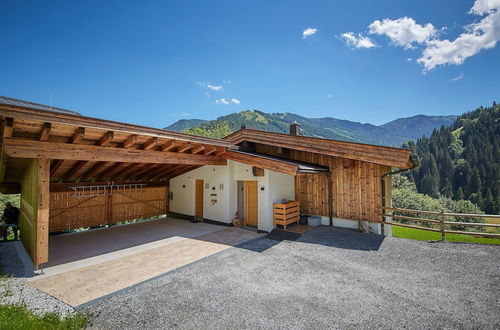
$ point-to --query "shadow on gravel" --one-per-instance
(342, 238)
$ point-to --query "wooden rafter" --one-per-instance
(105, 140)
(152, 173)
(197, 149)
(45, 132)
(185, 147)
(150, 144)
(55, 165)
(146, 169)
(209, 150)
(169, 145)
(130, 141)
(8, 129)
(254, 160)
(110, 171)
(78, 135)
(94, 170)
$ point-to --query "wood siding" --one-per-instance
(68, 212)
(356, 185)
(34, 215)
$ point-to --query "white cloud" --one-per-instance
(409, 59)
(215, 88)
(482, 7)
(477, 36)
(403, 31)
(308, 32)
(359, 41)
(222, 101)
(227, 101)
(457, 78)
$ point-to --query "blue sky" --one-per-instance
(154, 62)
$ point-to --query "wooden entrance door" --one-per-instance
(198, 212)
(251, 204)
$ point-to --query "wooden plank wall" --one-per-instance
(356, 185)
(68, 212)
(35, 210)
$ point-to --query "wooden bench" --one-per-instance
(286, 213)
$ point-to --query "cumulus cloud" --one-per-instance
(308, 32)
(358, 41)
(227, 101)
(215, 88)
(403, 31)
(477, 36)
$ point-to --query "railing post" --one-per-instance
(441, 223)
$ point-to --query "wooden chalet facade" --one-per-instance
(74, 171)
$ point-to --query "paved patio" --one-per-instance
(89, 265)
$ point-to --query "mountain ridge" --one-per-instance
(393, 133)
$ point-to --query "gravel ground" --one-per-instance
(15, 290)
(328, 278)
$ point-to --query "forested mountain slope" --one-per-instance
(462, 161)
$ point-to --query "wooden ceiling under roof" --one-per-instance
(84, 149)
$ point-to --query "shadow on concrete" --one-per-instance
(342, 238)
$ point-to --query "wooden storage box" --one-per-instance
(286, 213)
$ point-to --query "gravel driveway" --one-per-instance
(328, 278)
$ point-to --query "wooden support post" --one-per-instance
(35, 200)
(8, 129)
(441, 224)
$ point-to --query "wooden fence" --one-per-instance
(439, 223)
(68, 211)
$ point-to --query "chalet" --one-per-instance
(74, 171)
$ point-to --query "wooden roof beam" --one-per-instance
(8, 130)
(20, 148)
(45, 132)
(151, 143)
(184, 147)
(108, 173)
(130, 141)
(197, 149)
(78, 135)
(74, 169)
(146, 169)
(94, 170)
(106, 139)
(56, 164)
(262, 162)
(169, 145)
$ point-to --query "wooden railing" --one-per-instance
(439, 224)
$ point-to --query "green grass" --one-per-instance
(18, 317)
(423, 235)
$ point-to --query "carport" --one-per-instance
(74, 171)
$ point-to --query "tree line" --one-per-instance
(461, 161)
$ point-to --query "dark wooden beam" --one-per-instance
(45, 132)
(209, 150)
(111, 171)
(56, 164)
(74, 169)
(52, 150)
(10, 188)
(93, 171)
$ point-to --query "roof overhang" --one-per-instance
(394, 157)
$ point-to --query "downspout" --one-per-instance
(415, 163)
(330, 197)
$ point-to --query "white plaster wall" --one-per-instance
(281, 186)
(184, 198)
(272, 188)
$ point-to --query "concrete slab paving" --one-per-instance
(82, 281)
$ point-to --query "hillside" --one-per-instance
(393, 133)
(462, 161)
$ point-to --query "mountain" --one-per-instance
(394, 133)
(462, 161)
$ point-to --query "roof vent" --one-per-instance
(295, 129)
